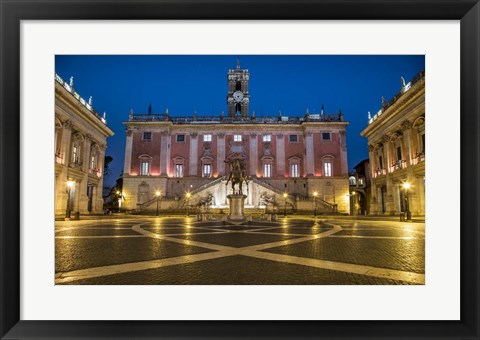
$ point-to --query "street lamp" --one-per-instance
(69, 191)
(406, 186)
(187, 195)
(157, 193)
(315, 194)
(285, 195)
(119, 195)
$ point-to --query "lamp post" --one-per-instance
(285, 195)
(119, 195)
(187, 195)
(157, 193)
(69, 191)
(315, 194)
(406, 186)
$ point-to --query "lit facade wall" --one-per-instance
(396, 145)
(80, 143)
(297, 157)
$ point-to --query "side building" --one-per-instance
(80, 143)
(182, 159)
(396, 146)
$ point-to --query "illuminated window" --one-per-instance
(267, 170)
(399, 153)
(178, 170)
(207, 170)
(75, 154)
(327, 169)
(144, 168)
(353, 180)
(93, 162)
(237, 138)
(147, 136)
(207, 138)
(180, 138)
(267, 138)
(294, 172)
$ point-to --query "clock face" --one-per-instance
(238, 96)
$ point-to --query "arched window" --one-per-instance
(294, 166)
(76, 151)
(178, 167)
(327, 165)
(145, 165)
(353, 180)
(267, 167)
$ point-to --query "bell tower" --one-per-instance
(238, 97)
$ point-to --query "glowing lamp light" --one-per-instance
(157, 193)
(285, 195)
(406, 185)
(315, 193)
(70, 184)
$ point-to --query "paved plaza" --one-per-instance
(134, 250)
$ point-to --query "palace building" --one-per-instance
(396, 145)
(294, 162)
(80, 142)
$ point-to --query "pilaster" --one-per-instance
(253, 154)
(280, 155)
(221, 154)
(193, 159)
(127, 165)
(310, 154)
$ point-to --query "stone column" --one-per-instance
(387, 153)
(97, 197)
(310, 155)
(373, 161)
(127, 165)
(373, 187)
(407, 141)
(82, 187)
(168, 160)
(221, 154)
(61, 180)
(280, 155)
(193, 159)
(343, 152)
(253, 154)
(164, 159)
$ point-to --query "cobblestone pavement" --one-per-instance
(295, 250)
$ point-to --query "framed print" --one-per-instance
(170, 213)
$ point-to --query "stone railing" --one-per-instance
(236, 120)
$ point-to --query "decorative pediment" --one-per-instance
(420, 121)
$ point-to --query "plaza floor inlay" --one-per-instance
(291, 251)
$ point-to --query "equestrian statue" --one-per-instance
(237, 175)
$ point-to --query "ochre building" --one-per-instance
(178, 162)
(396, 145)
(80, 143)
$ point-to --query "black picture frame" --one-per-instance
(12, 12)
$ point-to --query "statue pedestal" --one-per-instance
(237, 204)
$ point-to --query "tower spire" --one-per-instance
(238, 63)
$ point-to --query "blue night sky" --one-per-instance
(184, 84)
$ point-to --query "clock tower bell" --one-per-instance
(238, 97)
